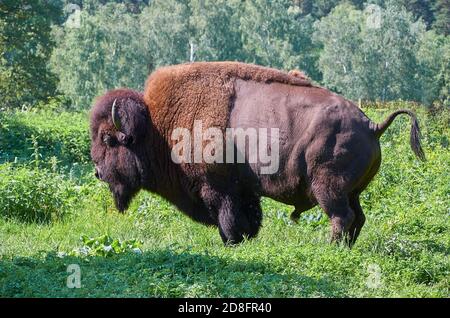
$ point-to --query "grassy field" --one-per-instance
(51, 206)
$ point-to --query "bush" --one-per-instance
(32, 195)
(64, 135)
(105, 246)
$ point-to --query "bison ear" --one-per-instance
(130, 118)
(123, 138)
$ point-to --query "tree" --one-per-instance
(371, 54)
(340, 35)
(164, 26)
(104, 51)
(215, 31)
(421, 9)
(442, 17)
(434, 59)
(91, 6)
(435, 13)
(25, 46)
(389, 53)
(275, 34)
(320, 8)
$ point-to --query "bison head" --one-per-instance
(119, 125)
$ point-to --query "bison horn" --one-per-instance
(115, 116)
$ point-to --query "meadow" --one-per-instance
(53, 213)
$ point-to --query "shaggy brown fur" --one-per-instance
(203, 91)
(118, 155)
(299, 74)
(178, 95)
(329, 150)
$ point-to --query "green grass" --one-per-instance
(403, 250)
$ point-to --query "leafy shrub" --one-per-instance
(32, 195)
(105, 246)
(61, 134)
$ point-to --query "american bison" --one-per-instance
(328, 149)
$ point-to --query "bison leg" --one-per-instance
(239, 217)
(299, 209)
(251, 207)
(359, 221)
(231, 221)
(341, 215)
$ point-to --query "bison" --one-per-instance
(328, 152)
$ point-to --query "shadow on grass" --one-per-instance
(158, 273)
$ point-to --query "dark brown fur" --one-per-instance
(329, 149)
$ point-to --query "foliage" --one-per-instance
(89, 51)
(442, 17)
(60, 134)
(32, 195)
(105, 246)
(434, 57)
(321, 8)
(25, 46)
(421, 9)
(370, 54)
(132, 6)
(382, 54)
(102, 52)
(339, 33)
(274, 34)
(164, 29)
(215, 30)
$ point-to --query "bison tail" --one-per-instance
(415, 135)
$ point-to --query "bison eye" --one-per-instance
(109, 140)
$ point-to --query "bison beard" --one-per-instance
(329, 149)
(124, 187)
(122, 196)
